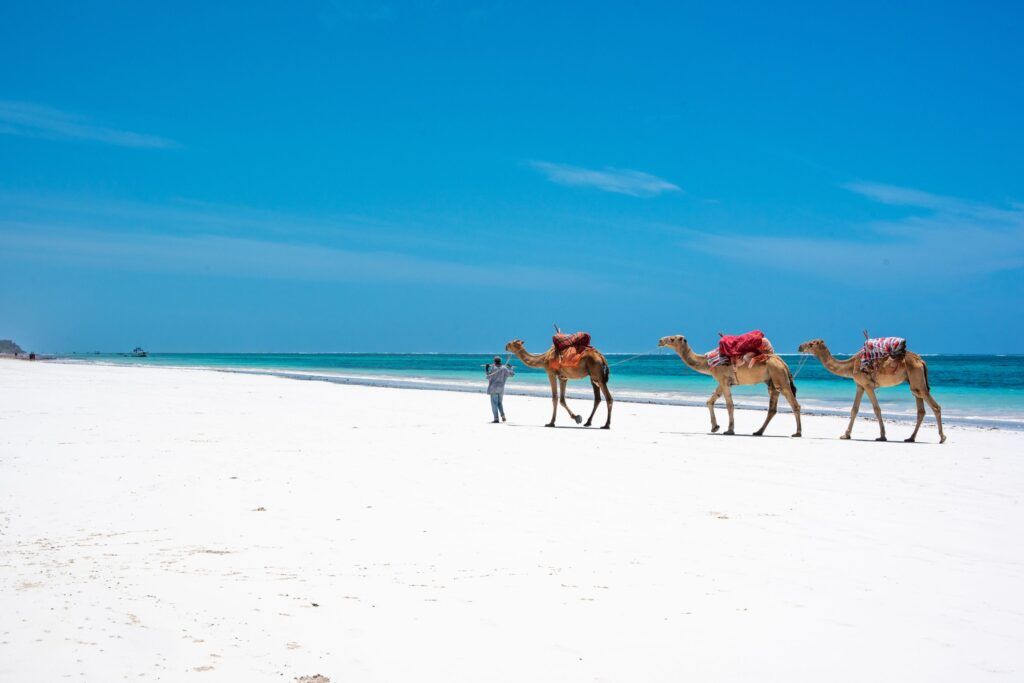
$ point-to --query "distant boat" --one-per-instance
(138, 352)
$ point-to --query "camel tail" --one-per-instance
(792, 384)
(927, 385)
(607, 371)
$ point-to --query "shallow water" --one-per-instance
(972, 389)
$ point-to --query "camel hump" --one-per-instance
(884, 346)
(877, 352)
(750, 348)
(569, 348)
(577, 340)
(733, 345)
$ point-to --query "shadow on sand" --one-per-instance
(804, 438)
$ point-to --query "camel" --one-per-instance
(911, 369)
(774, 373)
(592, 365)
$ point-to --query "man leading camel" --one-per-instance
(496, 378)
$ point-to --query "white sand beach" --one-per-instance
(167, 524)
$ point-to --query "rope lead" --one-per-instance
(626, 360)
(803, 361)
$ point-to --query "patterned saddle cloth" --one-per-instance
(715, 358)
(569, 349)
(881, 348)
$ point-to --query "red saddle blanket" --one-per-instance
(732, 345)
(569, 349)
(749, 348)
(579, 340)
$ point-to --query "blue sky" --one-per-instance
(441, 176)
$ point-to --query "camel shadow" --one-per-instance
(804, 438)
(574, 427)
(751, 436)
(887, 441)
(738, 435)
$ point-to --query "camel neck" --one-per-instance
(843, 368)
(531, 359)
(697, 363)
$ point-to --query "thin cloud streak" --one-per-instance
(894, 195)
(186, 216)
(179, 216)
(215, 255)
(33, 120)
(617, 180)
(354, 232)
(955, 238)
(186, 237)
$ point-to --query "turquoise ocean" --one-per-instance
(980, 390)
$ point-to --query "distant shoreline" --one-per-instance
(577, 392)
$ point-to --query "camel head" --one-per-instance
(515, 346)
(814, 346)
(675, 341)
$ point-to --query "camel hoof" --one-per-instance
(606, 427)
(845, 437)
(797, 435)
(881, 438)
(715, 429)
(909, 440)
(728, 432)
(942, 439)
(587, 424)
(758, 433)
(577, 418)
(550, 424)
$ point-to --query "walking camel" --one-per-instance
(592, 365)
(773, 372)
(911, 369)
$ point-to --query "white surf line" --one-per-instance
(807, 406)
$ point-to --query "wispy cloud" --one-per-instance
(216, 241)
(34, 120)
(940, 204)
(263, 259)
(618, 180)
(948, 238)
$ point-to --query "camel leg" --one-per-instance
(727, 392)
(608, 400)
(878, 413)
(795, 407)
(773, 404)
(554, 400)
(561, 399)
(854, 411)
(918, 380)
(597, 402)
(938, 415)
(920, 418)
(711, 408)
